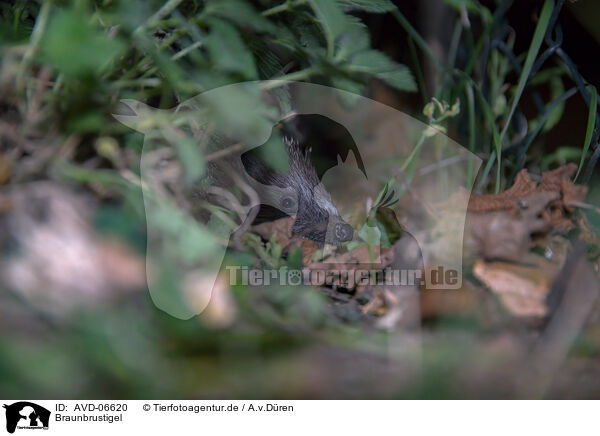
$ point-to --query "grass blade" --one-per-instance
(590, 129)
(534, 48)
(497, 153)
(416, 37)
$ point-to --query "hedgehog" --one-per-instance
(302, 195)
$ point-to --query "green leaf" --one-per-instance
(73, 46)
(377, 64)
(309, 36)
(295, 258)
(401, 78)
(371, 61)
(273, 152)
(168, 69)
(228, 51)
(191, 158)
(185, 238)
(241, 13)
(375, 6)
(332, 19)
(302, 36)
(354, 40)
(353, 87)
(353, 245)
(240, 111)
(363, 232)
(561, 156)
(384, 238)
(268, 67)
(383, 198)
(275, 249)
(267, 62)
(86, 121)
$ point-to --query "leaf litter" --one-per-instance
(516, 245)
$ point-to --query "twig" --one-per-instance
(225, 152)
(165, 10)
(253, 207)
(34, 42)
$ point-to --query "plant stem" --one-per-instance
(276, 9)
(414, 153)
(416, 37)
(590, 129)
(36, 38)
(297, 75)
(534, 48)
(418, 71)
(186, 50)
(165, 10)
(471, 112)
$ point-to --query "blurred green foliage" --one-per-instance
(162, 53)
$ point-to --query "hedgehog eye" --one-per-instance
(288, 203)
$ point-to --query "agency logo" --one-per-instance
(26, 415)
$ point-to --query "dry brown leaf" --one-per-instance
(309, 248)
(506, 200)
(572, 193)
(440, 302)
(5, 169)
(553, 180)
(500, 235)
(500, 226)
(388, 306)
(5, 204)
(522, 289)
(557, 180)
(358, 258)
(281, 228)
(376, 305)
